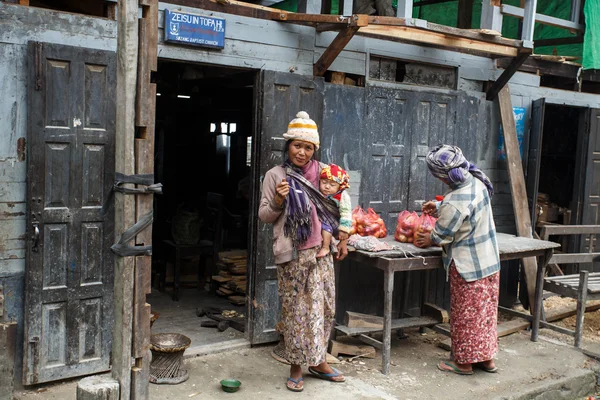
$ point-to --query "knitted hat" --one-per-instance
(337, 174)
(303, 128)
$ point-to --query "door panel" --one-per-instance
(534, 156)
(281, 96)
(591, 198)
(386, 165)
(434, 120)
(69, 277)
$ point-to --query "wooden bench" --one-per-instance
(583, 286)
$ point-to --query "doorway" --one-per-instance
(203, 158)
(558, 169)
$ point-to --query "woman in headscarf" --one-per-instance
(465, 229)
(292, 202)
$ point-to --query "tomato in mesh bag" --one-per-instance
(425, 223)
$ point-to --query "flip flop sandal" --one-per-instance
(453, 368)
(296, 382)
(482, 367)
(327, 377)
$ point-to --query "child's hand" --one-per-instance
(283, 189)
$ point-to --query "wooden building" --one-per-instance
(382, 90)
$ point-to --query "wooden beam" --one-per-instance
(334, 49)
(127, 58)
(517, 186)
(559, 41)
(358, 320)
(233, 7)
(443, 29)
(353, 20)
(518, 12)
(336, 348)
(465, 14)
(506, 75)
(543, 67)
(438, 40)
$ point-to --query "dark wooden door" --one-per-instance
(386, 165)
(279, 97)
(69, 276)
(534, 158)
(433, 123)
(591, 194)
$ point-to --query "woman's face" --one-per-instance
(300, 152)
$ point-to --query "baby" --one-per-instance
(332, 183)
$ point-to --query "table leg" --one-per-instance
(388, 285)
(539, 294)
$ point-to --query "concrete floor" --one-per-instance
(180, 317)
(545, 370)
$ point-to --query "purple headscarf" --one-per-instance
(448, 162)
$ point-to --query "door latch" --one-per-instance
(35, 237)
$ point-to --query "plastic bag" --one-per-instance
(405, 226)
(367, 223)
(425, 223)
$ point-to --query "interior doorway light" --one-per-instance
(213, 127)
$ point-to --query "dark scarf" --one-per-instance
(298, 224)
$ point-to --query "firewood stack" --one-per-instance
(232, 276)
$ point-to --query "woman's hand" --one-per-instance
(430, 208)
(343, 235)
(342, 250)
(282, 189)
(423, 239)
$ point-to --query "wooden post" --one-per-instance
(405, 9)
(581, 300)
(491, 15)
(98, 388)
(529, 20)
(8, 335)
(388, 287)
(517, 187)
(127, 57)
(465, 14)
(145, 115)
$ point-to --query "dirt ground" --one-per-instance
(591, 321)
(528, 370)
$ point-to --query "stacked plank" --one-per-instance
(231, 278)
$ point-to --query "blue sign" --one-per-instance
(194, 29)
(519, 113)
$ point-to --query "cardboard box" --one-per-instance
(547, 213)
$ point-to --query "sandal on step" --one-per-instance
(452, 368)
(296, 382)
(327, 377)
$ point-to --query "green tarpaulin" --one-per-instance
(591, 44)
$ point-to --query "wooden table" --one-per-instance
(407, 257)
